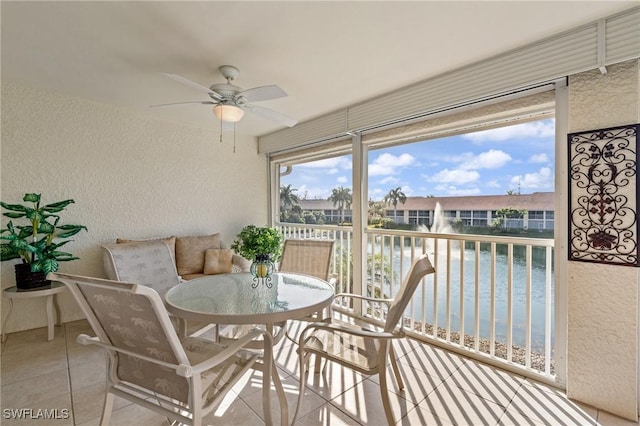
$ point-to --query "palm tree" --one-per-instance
(288, 198)
(341, 197)
(393, 197)
(376, 210)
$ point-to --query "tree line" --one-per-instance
(341, 197)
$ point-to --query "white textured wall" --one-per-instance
(602, 361)
(130, 176)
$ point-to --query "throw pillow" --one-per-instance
(190, 252)
(218, 261)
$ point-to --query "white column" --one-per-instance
(360, 212)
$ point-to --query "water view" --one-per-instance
(448, 299)
(518, 294)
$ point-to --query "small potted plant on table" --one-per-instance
(38, 242)
(262, 245)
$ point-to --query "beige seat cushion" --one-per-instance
(218, 261)
(190, 252)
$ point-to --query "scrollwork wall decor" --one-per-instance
(603, 194)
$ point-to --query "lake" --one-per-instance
(538, 295)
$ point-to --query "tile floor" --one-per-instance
(442, 388)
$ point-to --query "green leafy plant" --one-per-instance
(37, 243)
(254, 241)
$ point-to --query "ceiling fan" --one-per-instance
(230, 101)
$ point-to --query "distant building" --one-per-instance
(470, 210)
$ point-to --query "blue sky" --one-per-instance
(489, 162)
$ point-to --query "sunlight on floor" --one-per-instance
(63, 382)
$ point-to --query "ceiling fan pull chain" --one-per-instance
(234, 137)
(220, 128)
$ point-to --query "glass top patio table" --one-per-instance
(232, 299)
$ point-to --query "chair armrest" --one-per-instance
(352, 331)
(231, 350)
(368, 299)
(181, 369)
(85, 339)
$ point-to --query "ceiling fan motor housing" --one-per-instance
(226, 90)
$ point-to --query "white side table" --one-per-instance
(52, 302)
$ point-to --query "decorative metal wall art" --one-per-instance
(603, 194)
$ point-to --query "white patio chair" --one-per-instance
(309, 257)
(363, 349)
(146, 362)
(145, 262)
(148, 263)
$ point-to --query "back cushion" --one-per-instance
(149, 263)
(171, 242)
(190, 252)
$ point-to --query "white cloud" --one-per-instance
(539, 158)
(462, 192)
(535, 129)
(493, 184)
(312, 193)
(445, 190)
(342, 179)
(377, 193)
(542, 179)
(408, 191)
(386, 164)
(389, 180)
(492, 159)
(455, 176)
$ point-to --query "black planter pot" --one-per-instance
(27, 280)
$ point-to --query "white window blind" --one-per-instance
(595, 45)
(525, 106)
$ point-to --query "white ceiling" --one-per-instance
(325, 55)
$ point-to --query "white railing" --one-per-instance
(491, 296)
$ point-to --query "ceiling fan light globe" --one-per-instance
(228, 113)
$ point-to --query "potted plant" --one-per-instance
(262, 245)
(38, 242)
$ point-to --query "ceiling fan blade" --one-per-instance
(271, 115)
(182, 103)
(192, 84)
(263, 93)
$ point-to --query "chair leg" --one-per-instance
(197, 416)
(182, 328)
(394, 365)
(384, 393)
(317, 365)
(304, 370)
(106, 410)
